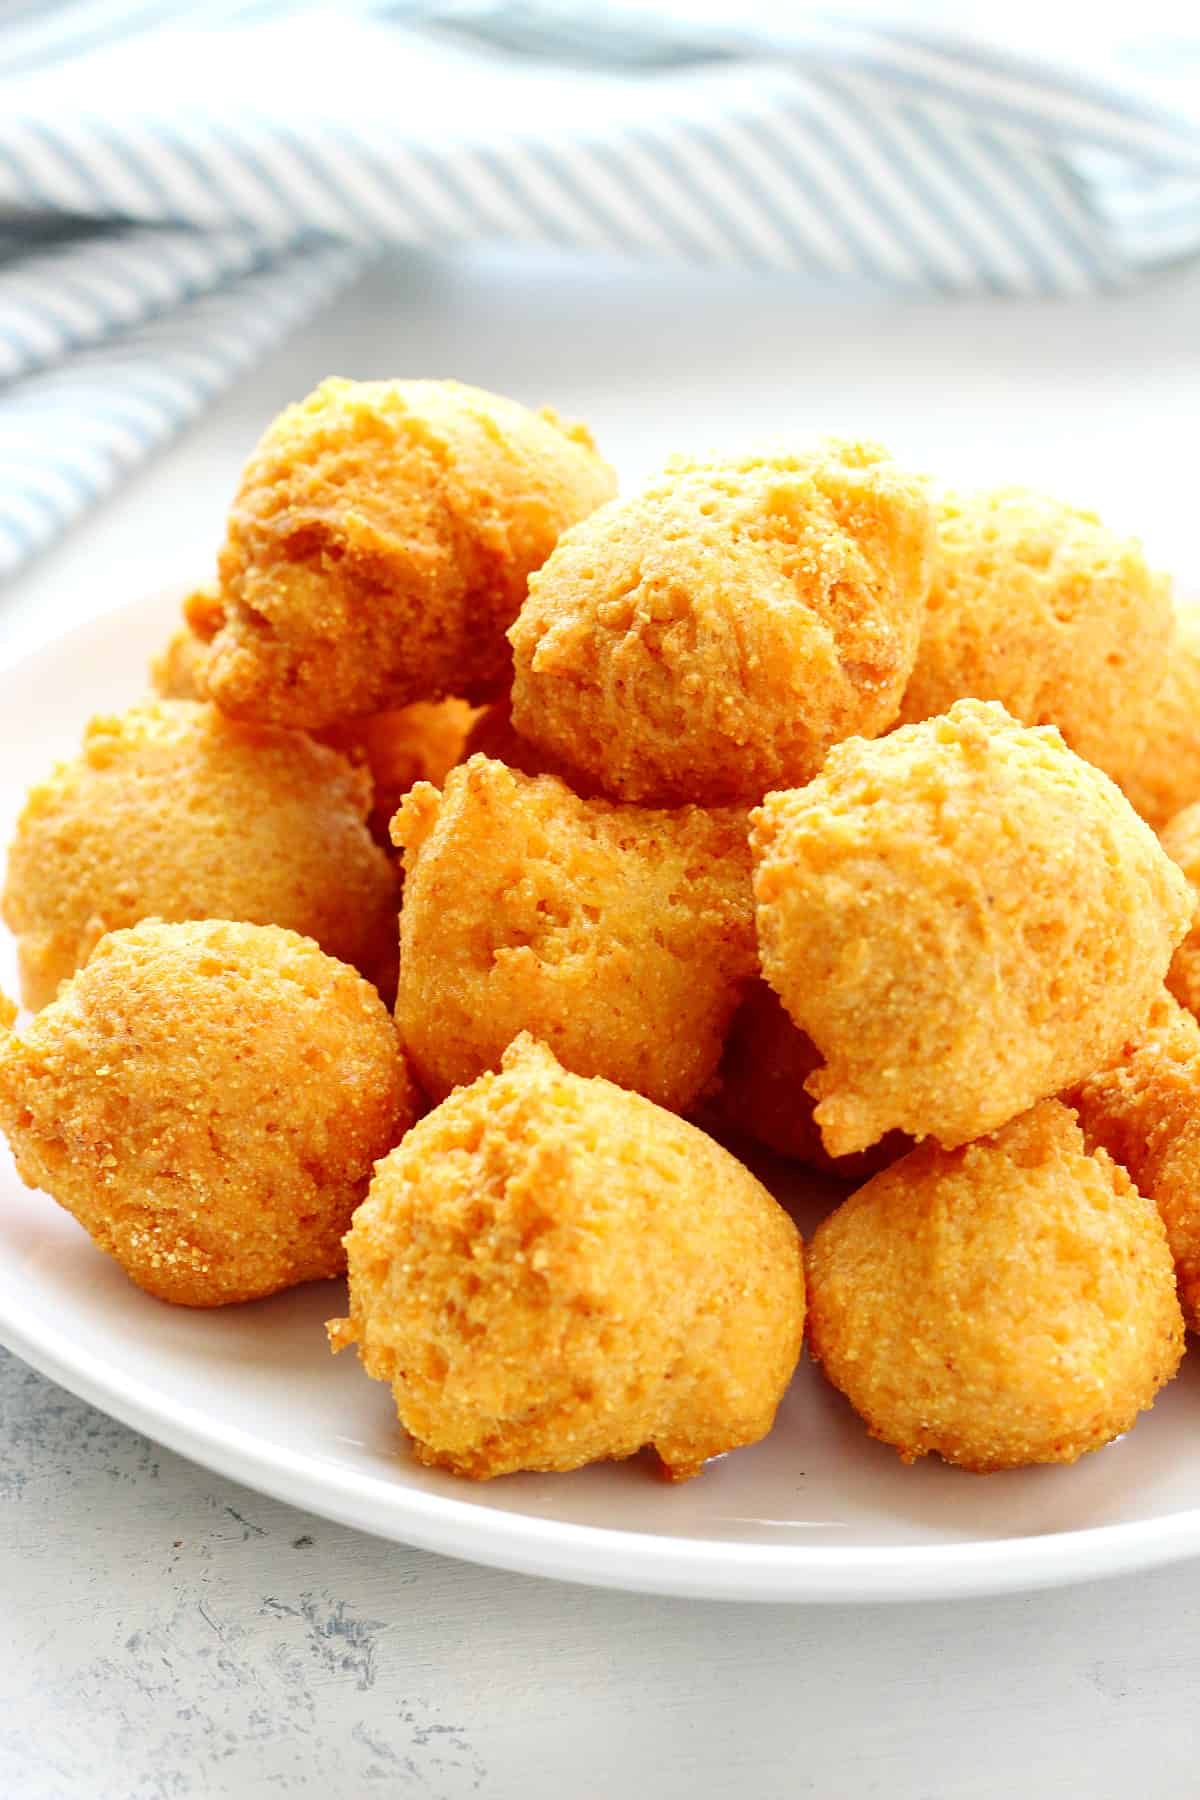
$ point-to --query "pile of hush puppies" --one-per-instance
(790, 801)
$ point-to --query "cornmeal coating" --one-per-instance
(380, 544)
(421, 742)
(1145, 1111)
(174, 811)
(1037, 605)
(1008, 1303)
(1181, 841)
(965, 918)
(177, 672)
(208, 1100)
(712, 636)
(414, 743)
(493, 734)
(620, 936)
(551, 1271)
(760, 1091)
(1166, 776)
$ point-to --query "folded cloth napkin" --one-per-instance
(179, 186)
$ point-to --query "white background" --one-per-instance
(165, 1634)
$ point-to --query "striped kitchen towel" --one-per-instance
(180, 185)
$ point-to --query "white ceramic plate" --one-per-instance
(818, 1512)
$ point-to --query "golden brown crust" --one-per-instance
(1036, 605)
(208, 1099)
(177, 672)
(494, 735)
(1145, 1111)
(550, 1271)
(1180, 838)
(380, 543)
(421, 742)
(204, 611)
(174, 811)
(1004, 1304)
(760, 1094)
(620, 936)
(413, 743)
(1166, 774)
(964, 917)
(712, 636)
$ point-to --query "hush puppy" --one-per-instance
(965, 917)
(620, 936)
(414, 743)
(208, 1099)
(1038, 606)
(1145, 1111)
(176, 812)
(1004, 1304)
(551, 1271)
(1166, 775)
(380, 544)
(712, 636)
(760, 1092)
(1181, 841)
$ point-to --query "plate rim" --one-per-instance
(593, 1555)
(530, 1544)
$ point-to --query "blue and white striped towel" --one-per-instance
(179, 186)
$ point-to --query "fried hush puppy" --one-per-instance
(380, 543)
(1180, 838)
(176, 812)
(965, 917)
(1145, 1111)
(1166, 775)
(414, 743)
(208, 1099)
(714, 635)
(760, 1092)
(550, 1271)
(1005, 1304)
(620, 936)
(1038, 606)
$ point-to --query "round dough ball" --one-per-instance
(550, 1271)
(176, 812)
(1181, 840)
(380, 543)
(1166, 775)
(711, 637)
(760, 1091)
(413, 743)
(620, 936)
(208, 1100)
(1005, 1304)
(965, 918)
(1145, 1111)
(1038, 606)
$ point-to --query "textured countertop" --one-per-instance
(166, 1635)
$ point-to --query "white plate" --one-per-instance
(818, 1512)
